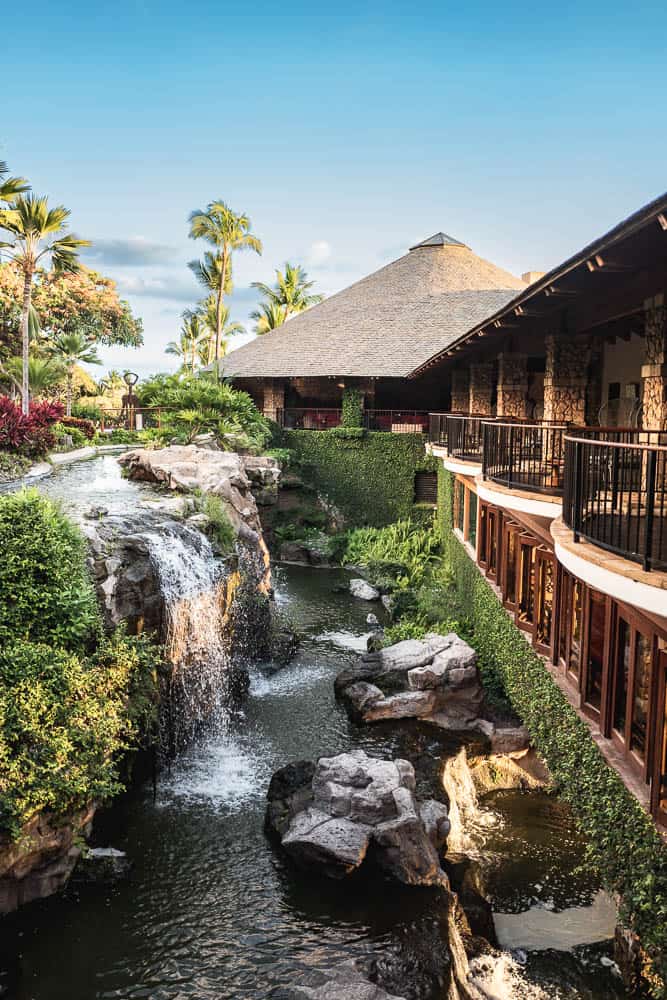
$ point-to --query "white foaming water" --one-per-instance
(346, 640)
(223, 772)
(295, 677)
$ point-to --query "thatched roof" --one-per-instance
(386, 324)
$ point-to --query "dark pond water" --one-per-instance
(212, 912)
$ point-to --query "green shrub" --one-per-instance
(352, 413)
(369, 478)
(623, 843)
(403, 543)
(68, 437)
(221, 528)
(63, 722)
(86, 411)
(47, 595)
(284, 456)
(12, 466)
(347, 433)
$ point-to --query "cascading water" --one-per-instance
(197, 589)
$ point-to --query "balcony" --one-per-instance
(615, 493)
(524, 456)
(322, 419)
(465, 436)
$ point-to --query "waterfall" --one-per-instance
(197, 590)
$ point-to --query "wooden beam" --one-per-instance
(662, 222)
(551, 290)
(600, 263)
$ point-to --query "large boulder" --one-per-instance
(363, 591)
(354, 804)
(346, 982)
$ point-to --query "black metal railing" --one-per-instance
(437, 429)
(615, 492)
(397, 421)
(529, 456)
(464, 437)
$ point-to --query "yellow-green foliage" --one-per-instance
(45, 592)
(63, 723)
(221, 527)
(409, 547)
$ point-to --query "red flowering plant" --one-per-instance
(86, 427)
(29, 434)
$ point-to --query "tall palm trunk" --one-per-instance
(218, 310)
(25, 340)
(68, 398)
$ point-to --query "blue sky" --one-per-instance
(346, 132)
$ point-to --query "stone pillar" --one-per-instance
(274, 398)
(654, 370)
(460, 390)
(481, 389)
(513, 386)
(565, 379)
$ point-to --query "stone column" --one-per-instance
(274, 398)
(481, 388)
(565, 379)
(460, 390)
(654, 370)
(512, 386)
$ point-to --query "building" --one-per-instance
(372, 336)
(556, 438)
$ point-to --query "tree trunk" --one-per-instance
(218, 312)
(68, 402)
(25, 339)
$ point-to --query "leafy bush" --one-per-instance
(86, 411)
(284, 456)
(200, 403)
(63, 722)
(352, 414)
(29, 434)
(47, 595)
(413, 549)
(68, 436)
(221, 528)
(86, 427)
(347, 433)
(12, 466)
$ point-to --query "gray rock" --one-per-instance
(345, 982)
(454, 666)
(362, 696)
(294, 552)
(355, 801)
(511, 740)
(403, 705)
(361, 589)
(102, 865)
(435, 819)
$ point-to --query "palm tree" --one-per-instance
(223, 229)
(208, 310)
(10, 187)
(44, 373)
(72, 349)
(192, 336)
(268, 316)
(291, 290)
(38, 234)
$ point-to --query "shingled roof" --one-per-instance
(388, 323)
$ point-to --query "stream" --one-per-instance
(212, 911)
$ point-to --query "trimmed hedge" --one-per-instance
(368, 476)
(623, 843)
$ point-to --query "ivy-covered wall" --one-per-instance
(368, 475)
(623, 842)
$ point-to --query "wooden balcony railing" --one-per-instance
(397, 421)
(437, 429)
(309, 418)
(132, 418)
(528, 456)
(615, 492)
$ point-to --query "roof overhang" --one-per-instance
(592, 259)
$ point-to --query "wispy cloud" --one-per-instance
(132, 252)
(167, 286)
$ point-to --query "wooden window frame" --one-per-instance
(588, 709)
(544, 555)
(659, 731)
(636, 625)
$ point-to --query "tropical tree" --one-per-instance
(208, 310)
(70, 350)
(291, 292)
(10, 187)
(38, 233)
(268, 316)
(223, 229)
(193, 337)
(44, 373)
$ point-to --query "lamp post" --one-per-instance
(129, 399)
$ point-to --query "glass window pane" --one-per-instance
(510, 576)
(545, 593)
(640, 694)
(458, 505)
(576, 617)
(492, 530)
(527, 579)
(622, 667)
(662, 777)
(595, 659)
(472, 518)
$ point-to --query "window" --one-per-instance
(622, 674)
(632, 662)
(597, 614)
(575, 625)
(471, 527)
(544, 598)
(526, 582)
(459, 505)
(641, 687)
(426, 487)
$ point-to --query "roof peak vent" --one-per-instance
(440, 240)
